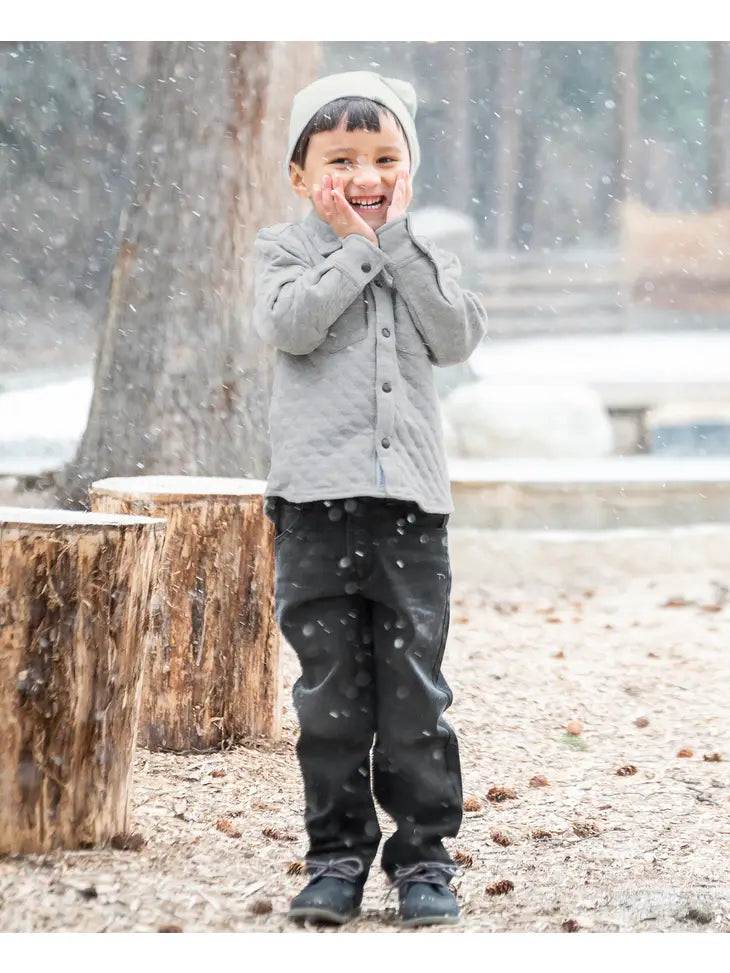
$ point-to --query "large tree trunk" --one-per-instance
(212, 675)
(74, 593)
(182, 381)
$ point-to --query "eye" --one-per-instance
(341, 162)
(387, 160)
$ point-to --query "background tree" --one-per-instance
(182, 380)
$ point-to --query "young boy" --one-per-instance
(359, 310)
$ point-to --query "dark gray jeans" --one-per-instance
(362, 596)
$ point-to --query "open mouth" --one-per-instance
(365, 203)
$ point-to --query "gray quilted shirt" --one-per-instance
(357, 328)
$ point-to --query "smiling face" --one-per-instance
(366, 162)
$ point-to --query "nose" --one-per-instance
(365, 174)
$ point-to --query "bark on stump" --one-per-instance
(212, 675)
(74, 593)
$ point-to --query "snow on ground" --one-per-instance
(40, 427)
(628, 370)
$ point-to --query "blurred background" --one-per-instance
(584, 186)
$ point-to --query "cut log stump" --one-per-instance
(74, 594)
(212, 675)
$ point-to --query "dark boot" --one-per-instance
(424, 896)
(334, 892)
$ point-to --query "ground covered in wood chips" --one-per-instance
(610, 829)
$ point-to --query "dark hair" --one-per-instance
(361, 113)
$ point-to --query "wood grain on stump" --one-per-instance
(212, 675)
(74, 593)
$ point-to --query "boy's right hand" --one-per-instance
(330, 203)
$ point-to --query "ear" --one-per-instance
(296, 178)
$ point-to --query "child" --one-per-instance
(359, 309)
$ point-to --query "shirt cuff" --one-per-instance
(397, 241)
(360, 259)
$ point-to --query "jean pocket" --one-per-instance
(288, 518)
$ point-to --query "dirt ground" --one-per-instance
(625, 836)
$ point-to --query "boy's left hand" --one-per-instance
(402, 196)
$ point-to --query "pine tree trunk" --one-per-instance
(212, 676)
(74, 594)
(718, 175)
(511, 73)
(182, 381)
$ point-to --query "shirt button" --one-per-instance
(378, 283)
(385, 333)
(386, 386)
(366, 268)
(385, 443)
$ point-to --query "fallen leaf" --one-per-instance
(500, 888)
(576, 742)
(711, 608)
(499, 838)
(554, 619)
(559, 655)
(261, 907)
(653, 655)
(685, 752)
(295, 868)
(641, 722)
(472, 804)
(573, 727)
(498, 794)
(677, 602)
(217, 773)
(539, 780)
(463, 858)
(628, 771)
(570, 925)
(225, 826)
(169, 928)
(714, 758)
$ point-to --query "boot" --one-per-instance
(424, 896)
(333, 894)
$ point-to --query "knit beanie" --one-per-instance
(399, 97)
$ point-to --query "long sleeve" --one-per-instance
(452, 321)
(297, 303)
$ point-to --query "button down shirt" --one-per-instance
(357, 329)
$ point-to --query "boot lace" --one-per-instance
(347, 868)
(432, 873)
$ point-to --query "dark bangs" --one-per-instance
(361, 113)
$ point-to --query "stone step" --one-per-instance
(590, 494)
(575, 559)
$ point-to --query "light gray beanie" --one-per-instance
(397, 96)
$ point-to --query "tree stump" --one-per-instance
(212, 673)
(74, 592)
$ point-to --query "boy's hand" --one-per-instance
(402, 196)
(330, 202)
